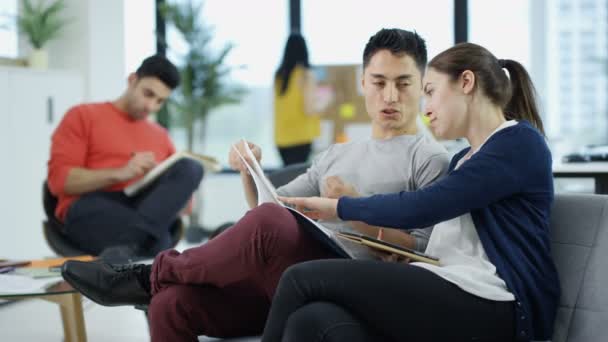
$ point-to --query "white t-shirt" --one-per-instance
(464, 261)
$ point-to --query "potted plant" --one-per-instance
(204, 82)
(40, 23)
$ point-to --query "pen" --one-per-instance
(7, 269)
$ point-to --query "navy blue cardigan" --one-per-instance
(507, 186)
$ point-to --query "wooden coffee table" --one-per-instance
(70, 303)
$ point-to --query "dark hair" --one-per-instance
(296, 53)
(398, 42)
(160, 67)
(516, 96)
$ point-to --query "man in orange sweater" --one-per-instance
(100, 148)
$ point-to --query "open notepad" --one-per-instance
(330, 238)
(210, 164)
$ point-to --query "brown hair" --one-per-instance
(516, 96)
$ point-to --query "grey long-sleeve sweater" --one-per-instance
(402, 163)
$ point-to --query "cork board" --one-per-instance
(342, 85)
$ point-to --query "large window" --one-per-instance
(337, 30)
(577, 80)
(503, 28)
(563, 44)
(8, 29)
(258, 41)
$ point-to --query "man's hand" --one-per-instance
(235, 161)
(390, 257)
(317, 208)
(138, 165)
(334, 187)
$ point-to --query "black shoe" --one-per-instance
(109, 285)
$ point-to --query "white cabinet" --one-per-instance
(5, 161)
(33, 104)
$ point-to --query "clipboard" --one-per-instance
(388, 247)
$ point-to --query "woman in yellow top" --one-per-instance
(296, 123)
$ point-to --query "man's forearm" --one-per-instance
(81, 180)
(251, 193)
(394, 236)
(364, 228)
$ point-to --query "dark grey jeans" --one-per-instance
(367, 301)
(101, 219)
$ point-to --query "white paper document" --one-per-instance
(268, 193)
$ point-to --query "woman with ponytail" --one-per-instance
(297, 123)
(497, 280)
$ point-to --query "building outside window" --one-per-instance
(8, 29)
(563, 45)
(577, 82)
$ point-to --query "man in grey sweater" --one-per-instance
(195, 292)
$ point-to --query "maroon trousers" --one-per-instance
(224, 287)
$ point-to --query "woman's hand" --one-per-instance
(317, 208)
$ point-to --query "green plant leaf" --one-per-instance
(205, 77)
(41, 23)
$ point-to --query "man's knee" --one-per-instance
(268, 208)
(169, 304)
(188, 169)
(269, 219)
(173, 314)
(271, 216)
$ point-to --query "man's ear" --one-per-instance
(132, 79)
(363, 79)
(467, 81)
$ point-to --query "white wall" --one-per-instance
(106, 49)
(92, 43)
(139, 32)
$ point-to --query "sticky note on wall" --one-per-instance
(347, 111)
(425, 120)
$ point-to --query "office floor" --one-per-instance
(37, 320)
